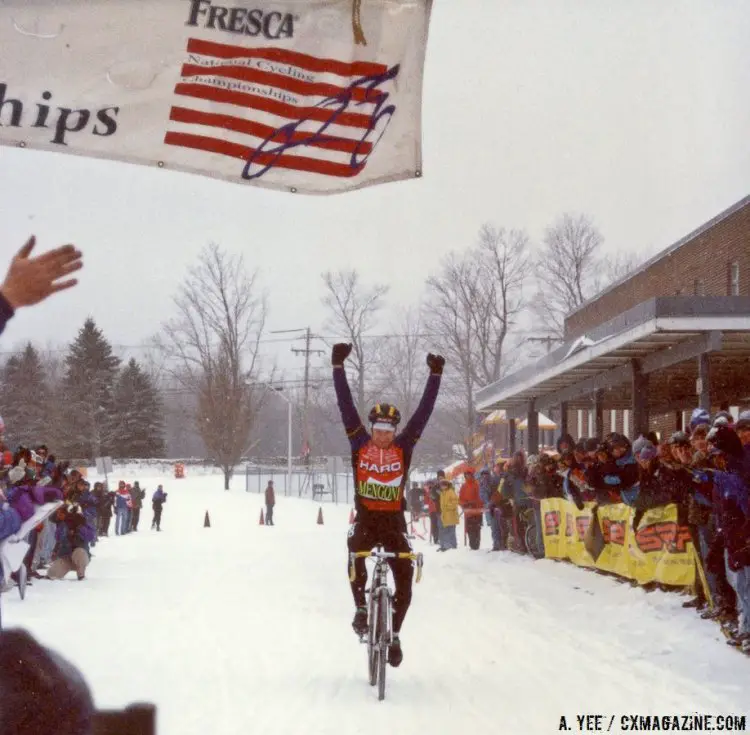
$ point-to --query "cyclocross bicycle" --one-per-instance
(380, 611)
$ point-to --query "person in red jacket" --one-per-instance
(433, 512)
(270, 502)
(380, 462)
(471, 502)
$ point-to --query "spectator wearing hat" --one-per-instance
(157, 503)
(137, 496)
(698, 417)
(122, 499)
(448, 516)
(74, 534)
(270, 502)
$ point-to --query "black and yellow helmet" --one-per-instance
(385, 413)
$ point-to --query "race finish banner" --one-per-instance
(659, 550)
(309, 96)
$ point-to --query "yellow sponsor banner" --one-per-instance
(576, 523)
(615, 524)
(553, 517)
(659, 550)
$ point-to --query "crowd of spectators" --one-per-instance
(62, 542)
(704, 471)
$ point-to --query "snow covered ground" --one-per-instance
(246, 628)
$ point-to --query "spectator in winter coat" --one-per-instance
(106, 508)
(74, 535)
(471, 502)
(122, 500)
(431, 506)
(489, 484)
(512, 490)
(157, 503)
(270, 502)
(448, 516)
(87, 501)
(732, 505)
(136, 495)
(742, 427)
(565, 443)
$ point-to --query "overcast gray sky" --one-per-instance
(635, 112)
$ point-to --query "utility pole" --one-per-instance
(306, 352)
(547, 340)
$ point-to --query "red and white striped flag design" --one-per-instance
(276, 108)
(213, 87)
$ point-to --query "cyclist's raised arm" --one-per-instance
(355, 429)
(416, 425)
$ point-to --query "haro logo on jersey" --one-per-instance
(376, 491)
(374, 467)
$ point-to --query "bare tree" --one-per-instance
(353, 308)
(619, 265)
(566, 269)
(471, 306)
(212, 345)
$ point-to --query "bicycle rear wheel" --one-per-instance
(532, 542)
(372, 640)
(384, 639)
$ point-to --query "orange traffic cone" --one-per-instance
(206, 521)
(351, 517)
(320, 516)
(261, 522)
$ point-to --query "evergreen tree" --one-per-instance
(139, 411)
(88, 393)
(25, 397)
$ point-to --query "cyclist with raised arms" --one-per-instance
(381, 468)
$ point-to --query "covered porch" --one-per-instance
(666, 354)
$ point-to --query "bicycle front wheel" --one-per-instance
(372, 640)
(384, 639)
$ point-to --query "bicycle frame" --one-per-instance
(380, 610)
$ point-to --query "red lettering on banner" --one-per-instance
(667, 536)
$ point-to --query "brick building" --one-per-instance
(673, 334)
(713, 260)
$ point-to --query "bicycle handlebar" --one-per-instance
(382, 556)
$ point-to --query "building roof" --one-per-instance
(663, 334)
(666, 252)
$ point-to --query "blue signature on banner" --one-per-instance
(289, 137)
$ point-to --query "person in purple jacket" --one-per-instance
(732, 504)
(380, 462)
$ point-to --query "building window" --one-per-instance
(734, 279)
(699, 287)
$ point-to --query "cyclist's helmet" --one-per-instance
(384, 416)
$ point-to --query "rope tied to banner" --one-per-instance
(359, 34)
